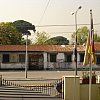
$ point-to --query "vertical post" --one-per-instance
(76, 41)
(90, 78)
(0, 80)
(76, 37)
(91, 54)
(45, 61)
(26, 58)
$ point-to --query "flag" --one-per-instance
(90, 51)
(87, 55)
(75, 52)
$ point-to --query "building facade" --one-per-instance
(43, 56)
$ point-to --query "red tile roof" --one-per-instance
(97, 46)
(46, 48)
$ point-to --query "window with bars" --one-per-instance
(98, 59)
(81, 57)
(6, 58)
(53, 57)
(68, 57)
(21, 58)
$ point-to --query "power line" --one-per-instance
(44, 12)
(59, 32)
(66, 32)
(65, 25)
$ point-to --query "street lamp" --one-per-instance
(27, 32)
(26, 57)
(75, 13)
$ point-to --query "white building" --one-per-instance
(43, 56)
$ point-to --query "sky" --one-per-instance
(57, 12)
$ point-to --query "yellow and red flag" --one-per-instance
(90, 50)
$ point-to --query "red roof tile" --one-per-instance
(46, 48)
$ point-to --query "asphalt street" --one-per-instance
(20, 75)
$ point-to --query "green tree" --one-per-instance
(41, 37)
(59, 40)
(82, 34)
(24, 27)
(9, 35)
(96, 38)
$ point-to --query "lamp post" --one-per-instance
(75, 13)
(26, 57)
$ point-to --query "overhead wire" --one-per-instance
(96, 24)
(64, 25)
(44, 12)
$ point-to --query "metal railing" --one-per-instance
(51, 88)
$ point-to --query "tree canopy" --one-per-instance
(82, 34)
(96, 38)
(9, 35)
(41, 37)
(24, 27)
(59, 40)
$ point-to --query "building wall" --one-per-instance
(13, 66)
(13, 57)
(13, 61)
(60, 62)
(45, 61)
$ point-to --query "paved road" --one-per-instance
(30, 98)
(38, 74)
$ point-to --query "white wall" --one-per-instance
(45, 60)
(60, 57)
(13, 65)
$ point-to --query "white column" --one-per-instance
(0, 60)
(0, 80)
(45, 60)
(78, 57)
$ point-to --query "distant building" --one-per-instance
(43, 56)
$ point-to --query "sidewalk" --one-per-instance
(30, 98)
(35, 74)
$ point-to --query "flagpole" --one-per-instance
(90, 79)
(89, 57)
(90, 75)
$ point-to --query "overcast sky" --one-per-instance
(58, 12)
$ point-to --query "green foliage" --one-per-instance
(41, 37)
(59, 40)
(86, 75)
(96, 38)
(24, 26)
(9, 35)
(23, 42)
(82, 34)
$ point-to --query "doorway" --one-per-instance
(36, 62)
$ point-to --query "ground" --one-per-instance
(47, 76)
